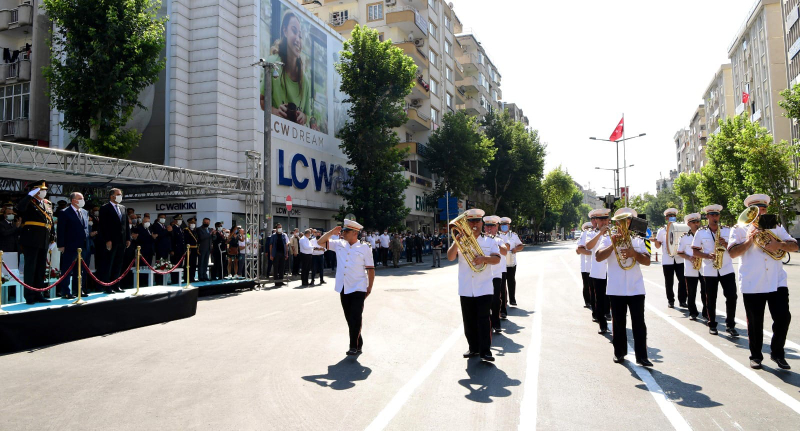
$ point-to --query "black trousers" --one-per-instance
(778, 303)
(418, 251)
(496, 301)
(305, 267)
(504, 295)
(330, 259)
(35, 267)
(620, 305)
(587, 291)
(410, 254)
(67, 257)
(317, 267)
(728, 283)
(476, 313)
(296, 263)
(216, 260)
(385, 255)
(511, 283)
(114, 260)
(353, 307)
(677, 270)
(280, 267)
(691, 287)
(600, 301)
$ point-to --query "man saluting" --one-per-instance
(36, 236)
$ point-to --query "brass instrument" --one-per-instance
(621, 222)
(467, 244)
(719, 250)
(697, 263)
(675, 231)
(763, 236)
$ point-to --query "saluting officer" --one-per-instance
(691, 275)
(514, 246)
(585, 257)
(703, 246)
(671, 265)
(36, 236)
(763, 282)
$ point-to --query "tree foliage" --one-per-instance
(686, 187)
(558, 188)
(376, 77)
(103, 54)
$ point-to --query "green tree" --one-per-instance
(376, 77)
(457, 153)
(686, 187)
(791, 102)
(570, 216)
(102, 55)
(557, 188)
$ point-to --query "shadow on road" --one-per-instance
(342, 375)
(503, 345)
(486, 382)
(680, 392)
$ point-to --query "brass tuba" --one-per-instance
(621, 222)
(763, 236)
(467, 244)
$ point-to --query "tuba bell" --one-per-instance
(621, 222)
(467, 244)
(750, 216)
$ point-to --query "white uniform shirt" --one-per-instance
(661, 237)
(305, 245)
(384, 240)
(500, 268)
(704, 239)
(314, 245)
(586, 259)
(759, 273)
(620, 281)
(472, 283)
(352, 263)
(513, 240)
(685, 247)
(371, 240)
(596, 269)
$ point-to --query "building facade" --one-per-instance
(681, 139)
(667, 183)
(698, 135)
(515, 113)
(719, 100)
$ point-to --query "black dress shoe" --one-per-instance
(644, 362)
(755, 364)
(108, 292)
(68, 296)
(498, 330)
(587, 306)
(470, 353)
(693, 318)
(323, 282)
(487, 357)
(602, 331)
(732, 331)
(503, 316)
(782, 364)
(713, 331)
(352, 352)
(30, 302)
(608, 317)
(514, 304)
(619, 359)
(671, 305)
(118, 290)
(42, 299)
(594, 320)
(684, 305)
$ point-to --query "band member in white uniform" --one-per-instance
(490, 228)
(691, 275)
(626, 291)
(597, 272)
(476, 288)
(585, 257)
(703, 246)
(763, 282)
(671, 265)
(515, 246)
(355, 273)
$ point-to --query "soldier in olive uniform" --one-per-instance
(36, 236)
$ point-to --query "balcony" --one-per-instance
(18, 72)
(417, 121)
(15, 129)
(472, 106)
(413, 147)
(471, 84)
(19, 17)
(421, 90)
(419, 56)
(471, 63)
(458, 70)
(342, 24)
(407, 19)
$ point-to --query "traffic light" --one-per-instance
(609, 201)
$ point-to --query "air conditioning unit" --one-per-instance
(28, 2)
(391, 2)
(416, 103)
(419, 42)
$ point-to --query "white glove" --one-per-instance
(34, 191)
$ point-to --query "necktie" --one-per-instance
(80, 217)
(118, 213)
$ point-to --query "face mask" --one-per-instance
(146, 224)
(130, 225)
(161, 220)
(91, 223)
(672, 219)
(42, 194)
(96, 213)
(10, 217)
(504, 228)
(206, 224)
(81, 203)
(191, 226)
(280, 230)
(118, 199)
(178, 222)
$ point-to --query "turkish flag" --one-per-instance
(618, 131)
(745, 97)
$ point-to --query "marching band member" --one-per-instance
(515, 246)
(671, 265)
(476, 288)
(498, 273)
(691, 275)
(703, 246)
(598, 270)
(626, 292)
(585, 257)
(763, 282)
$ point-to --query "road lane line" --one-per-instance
(401, 397)
(530, 403)
(662, 400)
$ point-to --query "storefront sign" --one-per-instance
(421, 204)
(281, 211)
(331, 176)
(177, 206)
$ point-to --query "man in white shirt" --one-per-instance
(703, 246)
(514, 246)
(671, 265)
(585, 261)
(763, 281)
(317, 257)
(691, 275)
(354, 278)
(626, 291)
(476, 288)
(597, 271)
(384, 240)
(490, 228)
(306, 252)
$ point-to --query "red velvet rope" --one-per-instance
(155, 271)
(63, 276)
(109, 284)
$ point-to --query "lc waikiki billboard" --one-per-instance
(306, 105)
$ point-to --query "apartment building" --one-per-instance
(515, 112)
(681, 139)
(24, 36)
(791, 14)
(666, 183)
(719, 100)
(759, 67)
(697, 139)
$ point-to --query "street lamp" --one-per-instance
(266, 155)
(616, 177)
(624, 159)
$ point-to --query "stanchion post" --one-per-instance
(188, 266)
(138, 256)
(1, 284)
(80, 279)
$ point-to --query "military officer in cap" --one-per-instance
(354, 276)
(672, 266)
(690, 274)
(598, 270)
(585, 263)
(476, 288)
(703, 246)
(514, 246)
(190, 238)
(35, 237)
(763, 282)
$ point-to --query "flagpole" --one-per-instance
(625, 161)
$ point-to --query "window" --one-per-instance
(449, 74)
(15, 101)
(480, 57)
(481, 80)
(434, 116)
(380, 37)
(434, 87)
(433, 57)
(494, 95)
(448, 47)
(447, 23)
(432, 4)
(374, 11)
(432, 30)
(449, 100)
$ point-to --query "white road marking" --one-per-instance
(269, 314)
(530, 404)
(401, 397)
(662, 400)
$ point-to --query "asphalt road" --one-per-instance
(274, 359)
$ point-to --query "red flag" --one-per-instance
(745, 97)
(618, 131)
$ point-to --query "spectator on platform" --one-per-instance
(146, 239)
(204, 244)
(178, 244)
(419, 243)
(190, 238)
(242, 241)
(306, 252)
(233, 253)
(116, 237)
(218, 252)
(9, 230)
(72, 233)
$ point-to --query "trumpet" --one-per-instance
(750, 216)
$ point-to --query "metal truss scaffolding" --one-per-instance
(253, 216)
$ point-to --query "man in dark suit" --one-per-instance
(419, 243)
(190, 238)
(116, 234)
(218, 253)
(36, 236)
(147, 239)
(178, 244)
(204, 240)
(9, 230)
(162, 234)
(73, 231)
